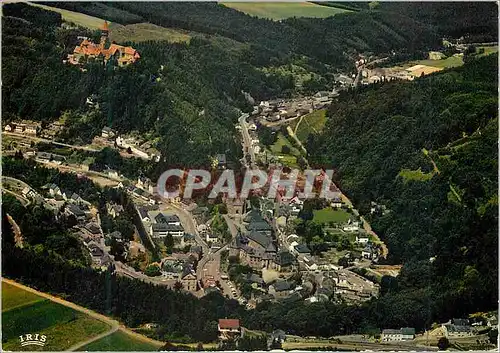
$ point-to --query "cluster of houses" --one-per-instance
(181, 267)
(33, 128)
(104, 50)
(143, 190)
(69, 204)
(284, 110)
(454, 328)
(257, 247)
(25, 127)
(137, 147)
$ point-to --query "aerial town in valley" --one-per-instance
(254, 250)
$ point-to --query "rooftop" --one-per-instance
(229, 323)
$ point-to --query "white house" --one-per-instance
(350, 228)
(362, 239)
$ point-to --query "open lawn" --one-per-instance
(310, 123)
(282, 10)
(13, 297)
(417, 175)
(137, 32)
(287, 159)
(327, 215)
(487, 50)
(140, 32)
(119, 341)
(24, 312)
(77, 18)
(451, 61)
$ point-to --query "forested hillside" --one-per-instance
(184, 94)
(427, 150)
(327, 40)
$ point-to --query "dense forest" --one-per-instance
(184, 96)
(427, 150)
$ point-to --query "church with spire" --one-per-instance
(105, 50)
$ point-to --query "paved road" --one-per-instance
(247, 141)
(114, 324)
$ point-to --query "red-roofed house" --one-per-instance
(88, 49)
(229, 329)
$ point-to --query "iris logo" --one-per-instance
(32, 339)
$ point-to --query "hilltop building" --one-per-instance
(104, 49)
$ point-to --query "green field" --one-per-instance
(13, 297)
(282, 10)
(488, 50)
(24, 312)
(451, 61)
(288, 159)
(140, 32)
(327, 215)
(119, 341)
(77, 18)
(417, 175)
(311, 123)
(137, 32)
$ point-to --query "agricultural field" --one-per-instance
(24, 312)
(77, 18)
(137, 32)
(487, 50)
(280, 10)
(452, 61)
(327, 215)
(14, 297)
(311, 123)
(119, 341)
(140, 32)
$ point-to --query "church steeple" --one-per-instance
(104, 34)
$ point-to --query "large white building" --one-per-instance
(163, 224)
(403, 334)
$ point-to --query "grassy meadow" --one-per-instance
(327, 215)
(282, 10)
(24, 312)
(311, 123)
(119, 341)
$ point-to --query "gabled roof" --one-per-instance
(93, 228)
(253, 278)
(259, 225)
(74, 209)
(281, 286)
(253, 215)
(271, 247)
(166, 227)
(143, 212)
(284, 258)
(302, 248)
(260, 238)
(408, 331)
(187, 270)
(229, 323)
(460, 322)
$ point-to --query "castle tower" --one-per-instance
(104, 34)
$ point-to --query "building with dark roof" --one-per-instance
(160, 230)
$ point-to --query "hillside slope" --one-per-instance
(427, 150)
